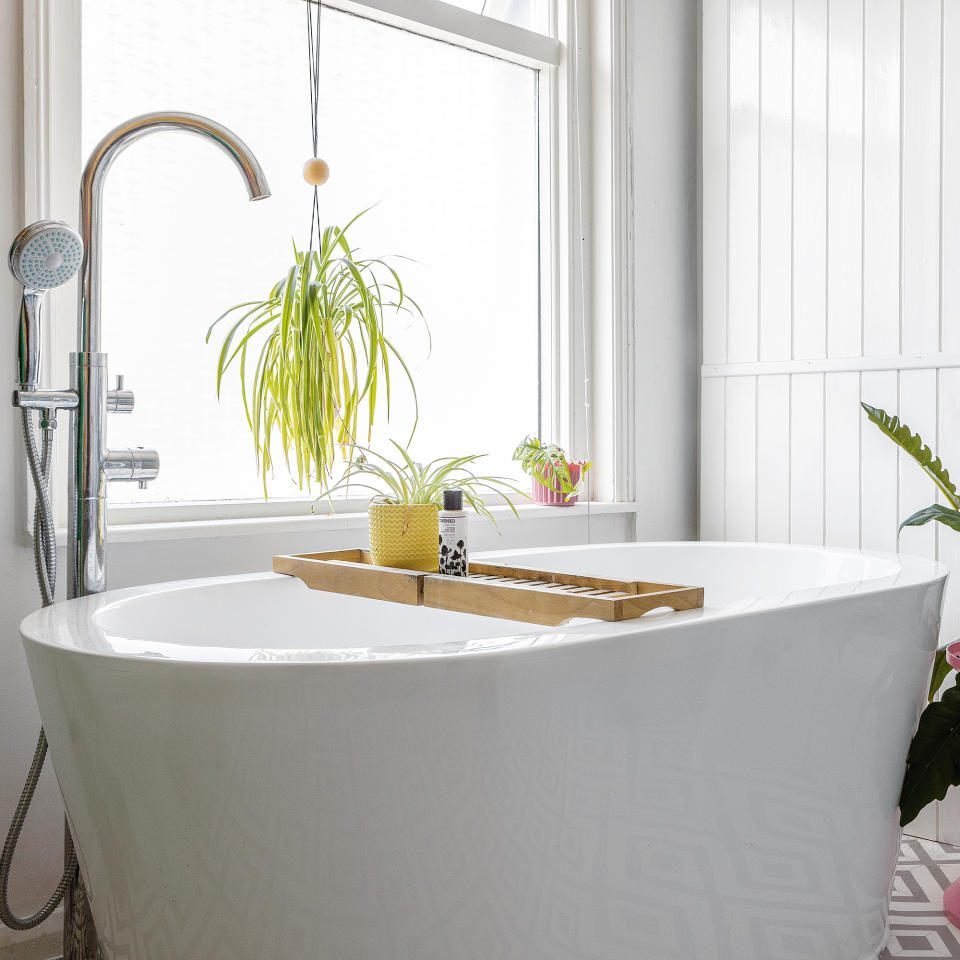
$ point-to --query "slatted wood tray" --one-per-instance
(491, 590)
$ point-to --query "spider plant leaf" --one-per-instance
(290, 302)
(416, 400)
(223, 361)
(933, 763)
(226, 313)
(372, 349)
(912, 444)
(256, 326)
(371, 394)
(935, 511)
(352, 221)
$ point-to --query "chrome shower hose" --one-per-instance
(45, 561)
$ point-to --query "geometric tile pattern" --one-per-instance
(918, 927)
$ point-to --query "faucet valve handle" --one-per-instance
(132, 463)
(120, 400)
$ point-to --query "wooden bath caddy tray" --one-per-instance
(491, 590)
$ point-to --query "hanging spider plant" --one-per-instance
(314, 357)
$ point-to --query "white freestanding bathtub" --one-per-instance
(254, 770)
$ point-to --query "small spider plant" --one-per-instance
(314, 357)
(548, 465)
(403, 481)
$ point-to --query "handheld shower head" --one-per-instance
(44, 255)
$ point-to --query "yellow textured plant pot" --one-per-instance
(405, 535)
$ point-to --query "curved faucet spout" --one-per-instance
(91, 197)
(93, 464)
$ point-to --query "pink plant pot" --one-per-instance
(951, 903)
(953, 654)
(551, 496)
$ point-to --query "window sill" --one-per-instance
(252, 526)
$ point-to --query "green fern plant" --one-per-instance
(314, 358)
(933, 762)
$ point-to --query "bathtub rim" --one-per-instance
(45, 627)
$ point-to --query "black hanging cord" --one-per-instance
(313, 62)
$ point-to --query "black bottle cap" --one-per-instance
(452, 499)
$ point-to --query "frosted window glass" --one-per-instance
(530, 14)
(443, 141)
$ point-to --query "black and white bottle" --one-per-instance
(453, 535)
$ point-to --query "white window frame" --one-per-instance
(586, 312)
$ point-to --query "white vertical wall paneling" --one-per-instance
(773, 459)
(740, 450)
(847, 123)
(918, 409)
(879, 472)
(712, 470)
(950, 200)
(842, 460)
(881, 178)
(714, 169)
(845, 178)
(810, 179)
(806, 458)
(744, 190)
(920, 182)
(776, 171)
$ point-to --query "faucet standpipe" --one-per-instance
(92, 462)
(45, 255)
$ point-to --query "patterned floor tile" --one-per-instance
(918, 927)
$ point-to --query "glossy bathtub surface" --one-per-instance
(268, 616)
(253, 769)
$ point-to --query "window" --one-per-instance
(442, 140)
(531, 14)
(454, 130)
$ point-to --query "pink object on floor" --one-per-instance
(553, 497)
(951, 903)
(951, 896)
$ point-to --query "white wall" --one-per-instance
(662, 142)
(830, 237)
(662, 78)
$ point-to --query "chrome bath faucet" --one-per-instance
(92, 464)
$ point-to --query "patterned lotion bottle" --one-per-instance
(453, 535)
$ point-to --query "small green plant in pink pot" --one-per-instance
(556, 481)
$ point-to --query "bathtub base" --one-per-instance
(414, 784)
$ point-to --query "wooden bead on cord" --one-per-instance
(316, 172)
